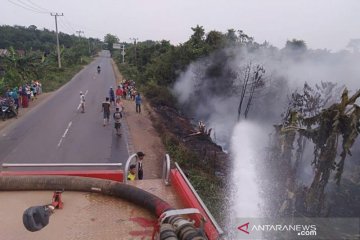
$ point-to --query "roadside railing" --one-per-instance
(113, 171)
(218, 228)
(10, 165)
(127, 165)
(166, 170)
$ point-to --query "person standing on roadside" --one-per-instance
(106, 109)
(119, 92)
(138, 103)
(140, 157)
(112, 96)
(82, 102)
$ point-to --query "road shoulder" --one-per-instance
(23, 111)
(143, 135)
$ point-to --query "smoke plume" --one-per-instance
(209, 90)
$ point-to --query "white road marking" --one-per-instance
(67, 129)
(64, 135)
(60, 142)
(80, 103)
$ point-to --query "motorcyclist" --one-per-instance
(98, 69)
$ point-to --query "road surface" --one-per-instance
(57, 132)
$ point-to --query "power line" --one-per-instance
(66, 22)
(61, 23)
(66, 26)
(31, 7)
(38, 6)
(83, 27)
(26, 8)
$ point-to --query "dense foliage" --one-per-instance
(30, 54)
(159, 63)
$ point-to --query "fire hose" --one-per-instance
(172, 228)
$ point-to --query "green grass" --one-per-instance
(209, 187)
(211, 191)
(55, 77)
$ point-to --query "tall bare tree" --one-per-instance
(253, 79)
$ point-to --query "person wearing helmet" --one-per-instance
(82, 102)
(112, 96)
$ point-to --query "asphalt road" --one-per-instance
(57, 132)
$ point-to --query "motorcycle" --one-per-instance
(8, 110)
(98, 70)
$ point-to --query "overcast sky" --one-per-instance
(321, 23)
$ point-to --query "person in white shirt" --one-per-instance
(82, 102)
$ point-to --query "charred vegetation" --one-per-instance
(331, 130)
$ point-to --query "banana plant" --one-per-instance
(332, 128)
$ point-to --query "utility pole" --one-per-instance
(89, 46)
(135, 39)
(57, 35)
(123, 53)
(79, 32)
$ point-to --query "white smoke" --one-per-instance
(286, 72)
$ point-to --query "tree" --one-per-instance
(296, 45)
(244, 38)
(215, 40)
(198, 36)
(110, 39)
(252, 79)
(354, 44)
(231, 36)
(331, 129)
(39, 46)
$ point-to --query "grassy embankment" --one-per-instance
(55, 77)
